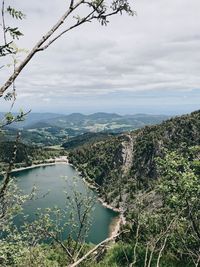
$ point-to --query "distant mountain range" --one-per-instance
(94, 122)
(52, 129)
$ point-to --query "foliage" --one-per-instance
(163, 214)
(163, 218)
(26, 155)
(8, 48)
(15, 13)
(70, 130)
(101, 165)
(100, 161)
(164, 221)
(46, 236)
(160, 197)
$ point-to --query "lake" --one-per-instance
(54, 180)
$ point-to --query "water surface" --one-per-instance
(56, 179)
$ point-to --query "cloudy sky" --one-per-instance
(147, 63)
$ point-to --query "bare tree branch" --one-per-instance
(3, 21)
(103, 243)
(36, 47)
(161, 250)
(71, 4)
(146, 255)
(98, 12)
(83, 20)
(66, 250)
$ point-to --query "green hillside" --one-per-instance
(153, 176)
(26, 155)
(86, 138)
(131, 157)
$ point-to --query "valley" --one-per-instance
(150, 175)
(54, 129)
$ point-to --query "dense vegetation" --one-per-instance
(26, 155)
(134, 155)
(85, 139)
(153, 176)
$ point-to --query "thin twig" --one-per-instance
(3, 21)
(36, 47)
(15, 119)
(82, 21)
(160, 252)
(41, 45)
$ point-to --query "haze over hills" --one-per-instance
(32, 118)
(53, 129)
(105, 121)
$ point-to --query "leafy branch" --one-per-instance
(16, 14)
(10, 118)
(14, 32)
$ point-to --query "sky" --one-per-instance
(148, 63)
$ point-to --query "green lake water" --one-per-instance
(56, 179)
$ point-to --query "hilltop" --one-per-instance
(96, 122)
(46, 129)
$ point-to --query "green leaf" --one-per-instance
(15, 13)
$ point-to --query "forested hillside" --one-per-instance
(85, 139)
(26, 155)
(130, 159)
(153, 176)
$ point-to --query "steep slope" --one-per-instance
(121, 163)
(150, 142)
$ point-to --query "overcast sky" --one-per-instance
(147, 63)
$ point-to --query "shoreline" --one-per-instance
(49, 162)
(32, 166)
(116, 222)
(114, 227)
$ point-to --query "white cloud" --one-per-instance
(157, 49)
